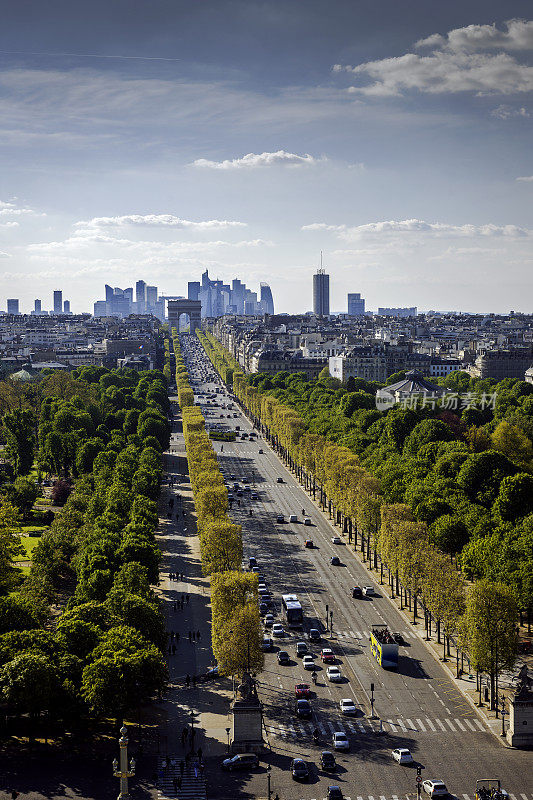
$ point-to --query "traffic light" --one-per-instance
(372, 687)
(419, 770)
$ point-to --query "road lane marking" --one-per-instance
(448, 722)
(441, 726)
(459, 725)
(421, 725)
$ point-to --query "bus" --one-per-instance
(292, 611)
(383, 647)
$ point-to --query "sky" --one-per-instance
(156, 138)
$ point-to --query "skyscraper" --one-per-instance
(356, 305)
(193, 290)
(58, 302)
(66, 307)
(151, 299)
(13, 305)
(108, 293)
(140, 296)
(321, 293)
(267, 302)
(37, 306)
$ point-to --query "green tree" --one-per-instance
(10, 545)
(29, 683)
(19, 426)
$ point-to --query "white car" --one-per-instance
(333, 674)
(402, 755)
(341, 741)
(308, 662)
(278, 630)
(348, 706)
(293, 518)
(336, 540)
(435, 788)
(368, 591)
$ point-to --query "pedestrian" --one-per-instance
(198, 635)
(194, 684)
(178, 780)
(188, 683)
(182, 767)
(187, 598)
(200, 753)
(175, 606)
(173, 649)
(175, 785)
(190, 636)
(171, 634)
(194, 636)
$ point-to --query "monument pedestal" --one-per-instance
(247, 719)
(520, 730)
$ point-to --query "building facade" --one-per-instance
(321, 293)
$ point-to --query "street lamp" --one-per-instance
(122, 771)
(503, 712)
(227, 734)
(268, 781)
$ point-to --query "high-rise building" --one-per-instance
(37, 306)
(108, 293)
(193, 290)
(66, 307)
(356, 305)
(321, 293)
(13, 305)
(140, 296)
(267, 302)
(58, 302)
(151, 299)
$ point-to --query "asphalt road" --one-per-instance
(417, 707)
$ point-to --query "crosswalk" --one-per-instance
(174, 783)
(418, 725)
(410, 795)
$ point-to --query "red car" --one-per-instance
(302, 690)
(327, 656)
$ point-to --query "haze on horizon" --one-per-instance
(154, 140)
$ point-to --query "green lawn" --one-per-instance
(29, 543)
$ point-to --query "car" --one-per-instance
(279, 480)
(254, 496)
(239, 493)
(301, 648)
(336, 540)
(302, 690)
(340, 741)
(327, 655)
(278, 630)
(307, 521)
(368, 591)
(435, 788)
(335, 561)
(402, 755)
(280, 518)
(348, 706)
(308, 662)
(255, 569)
(309, 543)
(299, 770)
(247, 489)
(283, 657)
(302, 709)
(241, 761)
(210, 675)
(263, 607)
(252, 562)
(269, 620)
(357, 592)
(327, 760)
(293, 518)
(314, 635)
(260, 451)
(266, 645)
(334, 793)
(334, 674)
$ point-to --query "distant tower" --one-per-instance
(58, 302)
(37, 306)
(356, 305)
(321, 292)
(13, 305)
(66, 307)
(267, 302)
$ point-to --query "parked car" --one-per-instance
(327, 760)
(341, 741)
(299, 770)
(241, 761)
(402, 755)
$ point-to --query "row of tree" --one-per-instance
(103, 653)
(236, 626)
(390, 532)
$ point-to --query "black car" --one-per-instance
(334, 561)
(283, 657)
(302, 709)
(314, 635)
(299, 770)
(334, 793)
(357, 592)
(327, 760)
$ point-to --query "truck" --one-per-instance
(384, 647)
(490, 789)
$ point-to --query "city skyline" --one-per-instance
(395, 139)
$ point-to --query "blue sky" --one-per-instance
(154, 139)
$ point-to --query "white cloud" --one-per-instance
(4, 255)
(518, 35)
(254, 160)
(417, 226)
(525, 178)
(9, 209)
(507, 112)
(457, 63)
(157, 221)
